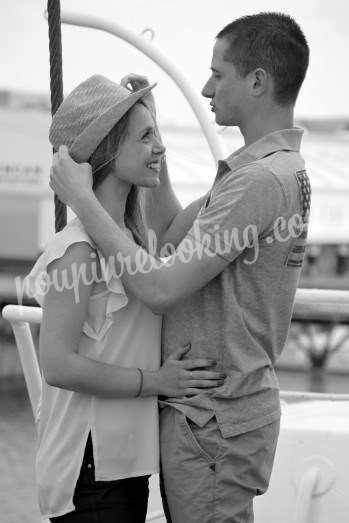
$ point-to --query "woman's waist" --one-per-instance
(124, 353)
(109, 420)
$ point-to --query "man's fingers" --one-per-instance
(55, 159)
(136, 81)
(125, 81)
(137, 78)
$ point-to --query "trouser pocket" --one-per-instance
(207, 439)
(188, 477)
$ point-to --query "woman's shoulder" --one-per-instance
(71, 245)
(73, 232)
(72, 240)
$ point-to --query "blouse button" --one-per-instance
(89, 466)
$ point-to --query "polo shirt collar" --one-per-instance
(283, 140)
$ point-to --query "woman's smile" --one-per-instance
(155, 166)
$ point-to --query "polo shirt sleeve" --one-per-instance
(243, 207)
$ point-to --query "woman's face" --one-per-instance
(141, 151)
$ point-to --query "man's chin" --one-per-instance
(219, 120)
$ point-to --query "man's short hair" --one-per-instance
(274, 42)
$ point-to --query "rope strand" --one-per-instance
(56, 85)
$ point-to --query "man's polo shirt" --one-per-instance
(256, 218)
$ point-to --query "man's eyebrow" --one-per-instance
(214, 70)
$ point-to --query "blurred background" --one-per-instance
(316, 357)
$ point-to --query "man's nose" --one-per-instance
(207, 90)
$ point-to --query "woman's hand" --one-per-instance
(179, 377)
(71, 181)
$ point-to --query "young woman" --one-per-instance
(99, 345)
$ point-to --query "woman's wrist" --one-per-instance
(150, 383)
(85, 199)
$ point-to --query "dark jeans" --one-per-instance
(119, 501)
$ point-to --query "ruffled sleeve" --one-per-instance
(37, 281)
(103, 304)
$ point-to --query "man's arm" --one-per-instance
(158, 285)
(182, 222)
(161, 206)
(164, 214)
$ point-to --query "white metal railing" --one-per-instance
(306, 491)
(290, 395)
(311, 303)
(20, 317)
(321, 304)
(155, 516)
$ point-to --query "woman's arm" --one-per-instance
(60, 334)
(63, 317)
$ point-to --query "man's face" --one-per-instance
(226, 88)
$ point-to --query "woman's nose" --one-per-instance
(159, 147)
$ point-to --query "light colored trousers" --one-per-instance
(210, 479)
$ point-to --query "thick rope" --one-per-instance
(56, 83)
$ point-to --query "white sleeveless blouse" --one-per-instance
(120, 330)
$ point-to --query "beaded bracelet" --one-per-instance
(140, 384)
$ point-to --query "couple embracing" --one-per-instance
(197, 335)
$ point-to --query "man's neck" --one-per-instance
(265, 122)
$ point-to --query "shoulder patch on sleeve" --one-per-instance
(296, 255)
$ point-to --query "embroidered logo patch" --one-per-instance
(296, 255)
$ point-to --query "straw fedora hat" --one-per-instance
(89, 113)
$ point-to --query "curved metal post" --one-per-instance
(214, 141)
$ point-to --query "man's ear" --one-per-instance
(258, 81)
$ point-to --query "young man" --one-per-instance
(230, 287)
